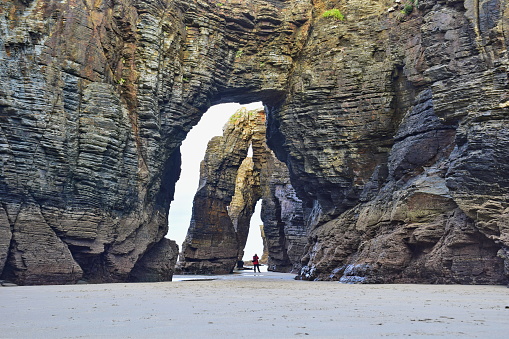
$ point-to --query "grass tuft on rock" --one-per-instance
(334, 13)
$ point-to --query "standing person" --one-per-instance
(256, 264)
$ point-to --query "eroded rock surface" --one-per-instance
(285, 232)
(231, 183)
(403, 179)
(158, 263)
(393, 126)
(211, 244)
(95, 99)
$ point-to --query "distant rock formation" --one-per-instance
(283, 219)
(231, 183)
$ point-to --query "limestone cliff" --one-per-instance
(393, 124)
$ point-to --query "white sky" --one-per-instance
(193, 150)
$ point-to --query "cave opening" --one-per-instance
(192, 151)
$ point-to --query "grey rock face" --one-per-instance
(31, 237)
(393, 129)
(158, 264)
(78, 176)
(283, 219)
(418, 224)
(5, 238)
(211, 244)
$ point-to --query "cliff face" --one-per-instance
(212, 244)
(84, 190)
(393, 127)
(95, 99)
(412, 126)
(284, 228)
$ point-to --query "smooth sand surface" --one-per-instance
(248, 305)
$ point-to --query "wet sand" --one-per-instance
(248, 305)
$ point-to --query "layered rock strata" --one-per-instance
(95, 99)
(392, 123)
(158, 263)
(211, 244)
(416, 128)
(231, 183)
(285, 232)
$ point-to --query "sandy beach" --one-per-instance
(248, 305)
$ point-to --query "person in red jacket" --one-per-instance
(256, 264)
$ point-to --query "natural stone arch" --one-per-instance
(113, 115)
(376, 116)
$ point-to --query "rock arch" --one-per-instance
(393, 128)
(89, 163)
